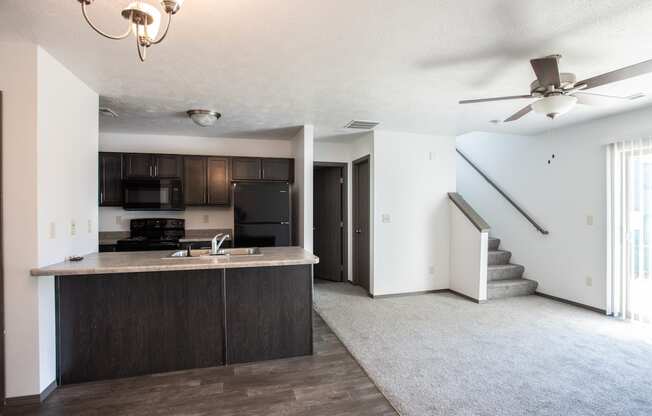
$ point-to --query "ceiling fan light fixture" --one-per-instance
(204, 118)
(553, 106)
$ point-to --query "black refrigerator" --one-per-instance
(262, 214)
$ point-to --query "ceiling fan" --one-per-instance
(558, 92)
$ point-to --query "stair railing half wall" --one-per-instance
(504, 194)
(469, 248)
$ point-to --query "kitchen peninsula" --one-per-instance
(134, 313)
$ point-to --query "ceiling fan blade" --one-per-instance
(519, 114)
(547, 70)
(618, 75)
(588, 98)
(484, 100)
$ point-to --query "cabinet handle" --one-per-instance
(150, 170)
(156, 170)
(101, 197)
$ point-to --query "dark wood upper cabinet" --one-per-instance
(246, 169)
(278, 170)
(138, 165)
(219, 189)
(194, 180)
(167, 166)
(110, 179)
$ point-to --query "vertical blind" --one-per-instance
(629, 230)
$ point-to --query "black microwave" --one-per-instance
(153, 195)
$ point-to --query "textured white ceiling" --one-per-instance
(270, 65)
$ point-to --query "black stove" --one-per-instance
(149, 234)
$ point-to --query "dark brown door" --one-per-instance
(110, 179)
(329, 209)
(361, 207)
(194, 180)
(245, 168)
(138, 165)
(167, 166)
(218, 181)
(277, 170)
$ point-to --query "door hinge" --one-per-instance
(341, 180)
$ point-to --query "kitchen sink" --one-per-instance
(249, 251)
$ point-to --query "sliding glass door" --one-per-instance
(629, 231)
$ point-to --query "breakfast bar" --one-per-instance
(135, 313)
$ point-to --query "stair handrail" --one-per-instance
(503, 193)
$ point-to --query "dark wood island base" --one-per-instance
(127, 324)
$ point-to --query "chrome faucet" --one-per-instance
(215, 244)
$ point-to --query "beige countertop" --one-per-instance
(155, 261)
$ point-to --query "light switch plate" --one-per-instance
(589, 220)
(73, 227)
(589, 281)
(118, 220)
(386, 218)
(90, 226)
(52, 232)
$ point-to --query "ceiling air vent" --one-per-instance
(106, 111)
(361, 125)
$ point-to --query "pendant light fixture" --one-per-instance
(144, 22)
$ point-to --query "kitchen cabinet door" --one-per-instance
(167, 166)
(278, 170)
(194, 180)
(219, 189)
(110, 179)
(138, 165)
(246, 168)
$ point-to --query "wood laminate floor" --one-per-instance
(328, 383)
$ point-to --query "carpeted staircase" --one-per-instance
(505, 279)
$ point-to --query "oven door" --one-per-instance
(153, 195)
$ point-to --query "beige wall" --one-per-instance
(49, 143)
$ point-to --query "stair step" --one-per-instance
(494, 243)
(498, 257)
(504, 272)
(510, 288)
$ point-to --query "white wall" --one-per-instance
(117, 219)
(412, 175)
(560, 195)
(20, 244)
(67, 130)
(346, 153)
(303, 150)
(49, 143)
(469, 252)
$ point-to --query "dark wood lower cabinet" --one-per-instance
(269, 313)
(122, 325)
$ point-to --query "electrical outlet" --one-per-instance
(386, 218)
(589, 220)
(73, 228)
(431, 270)
(118, 220)
(589, 281)
(90, 226)
(206, 219)
(52, 232)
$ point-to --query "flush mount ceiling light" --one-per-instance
(204, 118)
(144, 22)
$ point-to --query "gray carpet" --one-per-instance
(440, 354)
